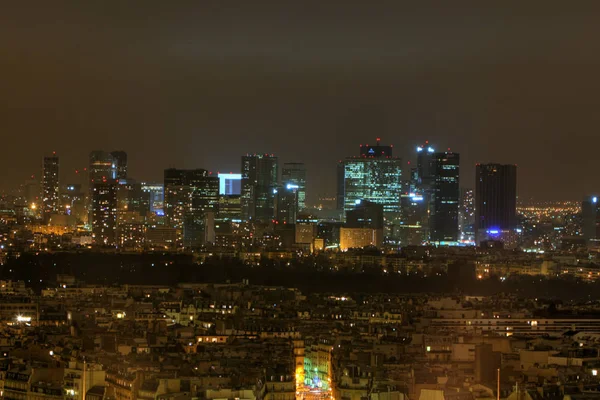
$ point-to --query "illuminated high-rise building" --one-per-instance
(495, 200)
(374, 176)
(230, 208)
(190, 195)
(466, 216)
(230, 184)
(364, 226)
(259, 187)
(425, 165)
(72, 201)
(156, 192)
(413, 229)
(103, 167)
(104, 213)
(365, 214)
(120, 160)
(446, 194)
(294, 175)
(287, 203)
(50, 187)
(590, 212)
(423, 183)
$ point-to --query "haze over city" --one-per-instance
(200, 84)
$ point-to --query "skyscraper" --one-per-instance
(374, 176)
(425, 165)
(259, 187)
(466, 216)
(364, 226)
(102, 168)
(295, 174)
(156, 191)
(495, 200)
(423, 184)
(590, 212)
(50, 186)
(287, 203)
(446, 193)
(104, 213)
(120, 160)
(190, 195)
(230, 184)
(72, 200)
(413, 229)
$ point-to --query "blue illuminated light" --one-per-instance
(493, 231)
(357, 202)
(290, 186)
(419, 149)
(371, 151)
(274, 191)
(230, 183)
(160, 213)
(415, 197)
(594, 199)
(430, 149)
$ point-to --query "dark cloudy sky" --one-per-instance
(197, 84)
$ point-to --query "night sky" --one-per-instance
(200, 85)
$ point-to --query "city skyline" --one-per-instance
(81, 175)
(494, 85)
(271, 200)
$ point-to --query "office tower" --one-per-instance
(413, 181)
(363, 227)
(466, 216)
(374, 176)
(423, 183)
(230, 208)
(329, 232)
(294, 174)
(104, 213)
(446, 193)
(412, 230)
(156, 193)
(230, 184)
(590, 212)
(133, 209)
(287, 203)
(190, 195)
(132, 198)
(425, 165)
(365, 214)
(495, 201)
(120, 161)
(50, 194)
(72, 201)
(259, 186)
(103, 167)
